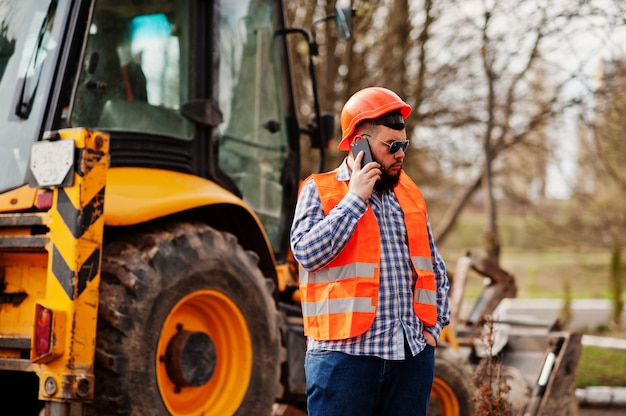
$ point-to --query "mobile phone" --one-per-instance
(364, 146)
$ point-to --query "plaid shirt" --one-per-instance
(316, 239)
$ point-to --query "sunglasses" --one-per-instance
(393, 146)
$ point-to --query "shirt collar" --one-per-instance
(343, 171)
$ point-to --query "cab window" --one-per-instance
(135, 71)
(253, 137)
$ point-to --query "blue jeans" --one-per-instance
(345, 385)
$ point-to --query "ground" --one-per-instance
(590, 411)
(282, 410)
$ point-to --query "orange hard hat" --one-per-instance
(368, 104)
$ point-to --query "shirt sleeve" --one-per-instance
(316, 239)
(443, 287)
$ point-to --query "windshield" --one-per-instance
(253, 137)
(28, 50)
(135, 74)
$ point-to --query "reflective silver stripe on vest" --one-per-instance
(423, 263)
(325, 307)
(335, 274)
(427, 297)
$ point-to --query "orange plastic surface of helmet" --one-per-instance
(367, 104)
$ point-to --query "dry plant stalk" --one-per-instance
(491, 397)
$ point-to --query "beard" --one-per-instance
(387, 181)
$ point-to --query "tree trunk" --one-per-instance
(448, 221)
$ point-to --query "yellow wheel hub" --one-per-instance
(447, 402)
(204, 356)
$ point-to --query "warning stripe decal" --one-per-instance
(78, 222)
(65, 274)
(87, 159)
(77, 217)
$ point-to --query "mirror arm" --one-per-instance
(313, 50)
(316, 129)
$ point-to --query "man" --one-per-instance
(374, 288)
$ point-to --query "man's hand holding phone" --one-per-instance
(364, 176)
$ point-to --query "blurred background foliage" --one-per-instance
(517, 135)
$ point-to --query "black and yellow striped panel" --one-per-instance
(77, 224)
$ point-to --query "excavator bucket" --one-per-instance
(538, 359)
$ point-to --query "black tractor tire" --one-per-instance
(189, 279)
(453, 388)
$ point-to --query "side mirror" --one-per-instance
(343, 18)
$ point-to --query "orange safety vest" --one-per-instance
(340, 300)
